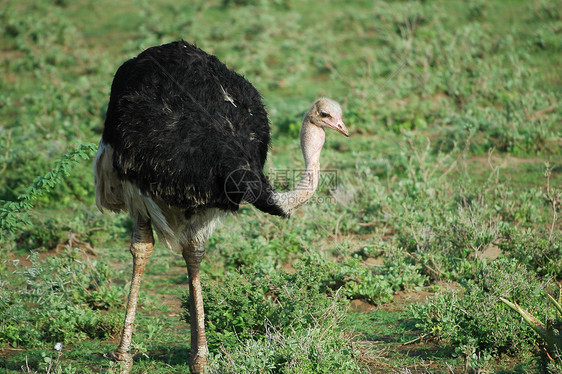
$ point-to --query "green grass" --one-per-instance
(454, 110)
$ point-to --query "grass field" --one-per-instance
(445, 198)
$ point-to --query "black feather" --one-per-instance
(184, 127)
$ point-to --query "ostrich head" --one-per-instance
(324, 113)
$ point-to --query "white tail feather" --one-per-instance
(170, 223)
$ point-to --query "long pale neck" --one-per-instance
(312, 140)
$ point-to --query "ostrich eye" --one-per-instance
(323, 114)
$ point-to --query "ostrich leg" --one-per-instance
(193, 254)
(142, 243)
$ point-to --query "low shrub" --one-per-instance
(58, 299)
(476, 321)
(318, 349)
(534, 250)
(285, 322)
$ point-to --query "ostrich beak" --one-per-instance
(339, 127)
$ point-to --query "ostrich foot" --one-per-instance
(124, 360)
(198, 362)
(193, 254)
(198, 367)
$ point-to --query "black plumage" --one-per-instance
(188, 130)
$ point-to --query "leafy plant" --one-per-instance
(535, 251)
(58, 299)
(549, 331)
(318, 349)
(14, 214)
(294, 312)
(239, 305)
(477, 321)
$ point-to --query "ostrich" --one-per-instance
(185, 141)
